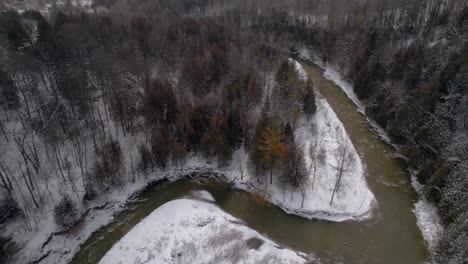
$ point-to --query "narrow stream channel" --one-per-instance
(391, 236)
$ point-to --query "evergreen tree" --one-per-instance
(288, 134)
(309, 106)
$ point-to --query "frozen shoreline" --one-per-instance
(330, 73)
(183, 230)
(427, 218)
(61, 248)
(354, 200)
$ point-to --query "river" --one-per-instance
(390, 236)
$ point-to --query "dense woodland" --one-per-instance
(81, 89)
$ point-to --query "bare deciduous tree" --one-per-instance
(344, 160)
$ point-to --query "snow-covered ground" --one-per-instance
(185, 230)
(428, 220)
(332, 74)
(45, 6)
(60, 248)
(326, 132)
(352, 201)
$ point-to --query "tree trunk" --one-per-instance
(5, 184)
(28, 187)
(271, 175)
(303, 198)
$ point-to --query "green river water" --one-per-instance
(390, 236)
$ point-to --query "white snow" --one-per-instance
(353, 200)
(332, 74)
(62, 247)
(427, 218)
(299, 69)
(188, 231)
(46, 7)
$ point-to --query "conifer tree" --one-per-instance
(309, 107)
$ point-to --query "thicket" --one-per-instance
(76, 84)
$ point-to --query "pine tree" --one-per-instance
(309, 107)
(288, 134)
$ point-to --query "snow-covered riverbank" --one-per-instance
(185, 230)
(53, 244)
(353, 200)
(426, 213)
(61, 248)
(332, 74)
(428, 220)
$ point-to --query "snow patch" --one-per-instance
(353, 201)
(299, 69)
(427, 218)
(332, 74)
(184, 230)
(46, 7)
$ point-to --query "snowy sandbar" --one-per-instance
(185, 230)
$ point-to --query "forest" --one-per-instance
(97, 96)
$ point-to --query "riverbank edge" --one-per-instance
(98, 216)
(428, 220)
(101, 212)
(195, 220)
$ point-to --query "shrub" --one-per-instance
(65, 212)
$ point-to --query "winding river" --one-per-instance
(391, 236)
